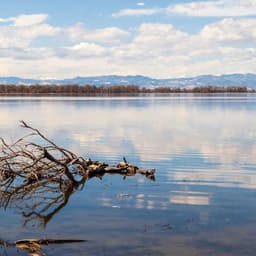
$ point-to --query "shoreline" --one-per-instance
(131, 95)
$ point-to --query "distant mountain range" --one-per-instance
(246, 80)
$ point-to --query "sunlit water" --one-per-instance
(203, 201)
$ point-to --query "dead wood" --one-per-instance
(34, 246)
(34, 158)
(38, 177)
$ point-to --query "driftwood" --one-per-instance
(38, 177)
(29, 162)
(34, 246)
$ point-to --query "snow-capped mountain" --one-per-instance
(246, 80)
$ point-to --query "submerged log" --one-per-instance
(34, 246)
(49, 241)
(35, 158)
(38, 177)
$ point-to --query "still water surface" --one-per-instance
(203, 201)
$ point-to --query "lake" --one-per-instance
(203, 201)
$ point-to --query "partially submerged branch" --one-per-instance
(34, 246)
(33, 162)
(36, 167)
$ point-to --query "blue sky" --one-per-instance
(63, 38)
(97, 13)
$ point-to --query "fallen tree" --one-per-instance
(37, 176)
(34, 246)
(31, 160)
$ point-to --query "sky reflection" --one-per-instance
(168, 131)
(203, 150)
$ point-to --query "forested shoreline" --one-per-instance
(85, 90)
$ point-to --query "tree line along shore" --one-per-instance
(81, 90)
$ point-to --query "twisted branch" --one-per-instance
(34, 167)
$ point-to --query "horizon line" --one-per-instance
(129, 75)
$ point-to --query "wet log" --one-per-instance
(38, 177)
(34, 246)
(34, 158)
(48, 241)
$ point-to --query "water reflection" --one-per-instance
(151, 201)
(160, 130)
(204, 152)
(38, 203)
(191, 199)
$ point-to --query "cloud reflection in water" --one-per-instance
(218, 132)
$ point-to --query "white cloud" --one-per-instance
(231, 30)
(153, 49)
(214, 8)
(137, 12)
(78, 33)
(16, 37)
(25, 20)
(20, 38)
(26, 54)
(29, 20)
(23, 29)
(83, 50)
(218, 8)
(176, 53)
(156, 32)
(151, 43)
